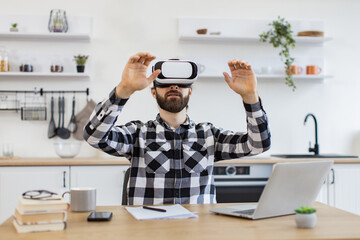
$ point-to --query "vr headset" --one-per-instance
(175, 72)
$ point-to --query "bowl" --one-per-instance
(67, 149)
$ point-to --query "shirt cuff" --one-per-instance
(116, 100)
(255, 109)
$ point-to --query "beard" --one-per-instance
(173, 105)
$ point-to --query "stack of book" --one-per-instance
(40, 215)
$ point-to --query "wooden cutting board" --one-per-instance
(311, 34)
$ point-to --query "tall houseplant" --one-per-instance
(281, 36)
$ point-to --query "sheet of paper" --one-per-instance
(172, 211)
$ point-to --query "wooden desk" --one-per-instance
(332, 224)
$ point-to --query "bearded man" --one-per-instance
(172, 157)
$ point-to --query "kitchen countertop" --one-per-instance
(55, 161)
(332, 223)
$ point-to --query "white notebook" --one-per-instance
(172, 211)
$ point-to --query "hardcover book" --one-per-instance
(40, 217)
(54, 203)
(25, 228)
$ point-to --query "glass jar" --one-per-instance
(4, 62)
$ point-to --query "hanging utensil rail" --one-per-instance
(41, 92)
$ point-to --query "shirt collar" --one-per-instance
(187, 124)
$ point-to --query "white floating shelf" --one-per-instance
(243, 30)
(35, 27)
(277, 77)
(43, 74)
(219, 38)
(44, 36)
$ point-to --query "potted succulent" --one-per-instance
(281, 36)
(80, 62)
(305, 217)
(14, 27)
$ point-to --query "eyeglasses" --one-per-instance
(39, 195)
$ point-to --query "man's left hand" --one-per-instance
(242, 80)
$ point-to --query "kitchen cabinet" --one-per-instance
(344, 187)
(243, 36)
(14, 181)
(323, 194)
(108, 181)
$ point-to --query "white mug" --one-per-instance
(82, 199)
(201, 68)
(266, 70)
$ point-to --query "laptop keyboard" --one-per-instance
(246, 212)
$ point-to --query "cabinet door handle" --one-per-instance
(333, 176)
(64, 179)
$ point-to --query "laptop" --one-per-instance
(291, 185)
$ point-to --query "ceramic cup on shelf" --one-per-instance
(295, 70)
(266, 70)
(313, 70)
(201, 67)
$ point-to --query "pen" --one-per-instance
(154, 209)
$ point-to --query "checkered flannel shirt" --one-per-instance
(173, 166)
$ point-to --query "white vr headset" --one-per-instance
(175, 71)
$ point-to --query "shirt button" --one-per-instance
(176, 193)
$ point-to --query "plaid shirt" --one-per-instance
(170, 166)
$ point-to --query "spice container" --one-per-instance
(4, 61)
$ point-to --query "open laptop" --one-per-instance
(291, 185)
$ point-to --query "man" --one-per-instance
(171, 157)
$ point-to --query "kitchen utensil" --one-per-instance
(52, 127)
(59, 112)
(67, 149)
(62, 132)
(72, 124)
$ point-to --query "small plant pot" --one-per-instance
(305, 220)
(14, 29)
(80, 69)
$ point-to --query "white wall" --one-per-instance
(122, 28)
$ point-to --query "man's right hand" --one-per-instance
(134, 75)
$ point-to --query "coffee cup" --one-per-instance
(313, 70)
(295, 70)
(266, 70)
(201, 68)
(82, 199)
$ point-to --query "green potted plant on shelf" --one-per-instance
(305, 217)
(281, 36)
(80, 62)
(14, 27)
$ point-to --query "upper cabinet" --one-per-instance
(55, 58)
(229, 37)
